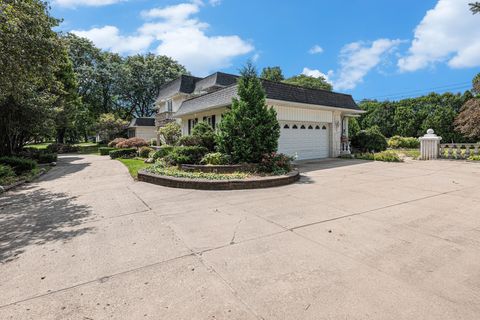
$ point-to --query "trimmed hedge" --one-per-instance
(398, 142)
(47, 157)
(123, 153)
(19, 165)
(370, 140)
(105, 151)
(143, 152)
(41, 156)
(162, 152)
(62, 148)
(186, 155)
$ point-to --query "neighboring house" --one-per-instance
(314, 123)
(142, 128)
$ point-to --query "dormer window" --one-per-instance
(169, 105)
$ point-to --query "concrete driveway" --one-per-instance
(352, 240)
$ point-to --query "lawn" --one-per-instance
(134, 165)
(84, 147)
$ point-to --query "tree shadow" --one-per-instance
(66, 165)
(324, 164)
(35, 216)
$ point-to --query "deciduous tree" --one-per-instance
(272, 74)
(310, 82)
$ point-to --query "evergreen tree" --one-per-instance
(250, 128)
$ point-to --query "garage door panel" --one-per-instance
(309, 143)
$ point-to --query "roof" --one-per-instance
(183, 84)
(274, 91)
(142, 122)
(214, 81)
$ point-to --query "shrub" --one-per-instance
(123, 153)
(397, 142)
(133, 143)
(189, 141)
(170, 133)
(215, 158)
(206, 135)
(19, 165)
(386, 156)
(105, 151)
(275, 163)
(370, 140)
(114, 142)
(474, 158)
(144, 152)
(41, 156)
(47, 157)
(186, 155)
(6, 171)
(61, 148)
(162, 152)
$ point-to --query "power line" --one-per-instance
(457, 86)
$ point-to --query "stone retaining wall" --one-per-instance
(204, 184)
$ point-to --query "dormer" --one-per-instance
(214, 82)
(174, 93)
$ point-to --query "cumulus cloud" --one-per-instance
(448, 33)
(317, 74)
(74, 3)
(315, 49)
(176, 32)
(358, 58)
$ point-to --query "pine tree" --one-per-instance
(250, 128)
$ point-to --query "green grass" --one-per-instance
(27, 176)
(134, 165)
(408, 153)
(39, 146)
(175, 172)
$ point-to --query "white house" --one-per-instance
(314, 123)
(142, 128)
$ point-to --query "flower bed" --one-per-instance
(217, 168)
(213, 181)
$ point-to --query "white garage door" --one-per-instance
(305, 140)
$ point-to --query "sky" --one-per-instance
(368, 48)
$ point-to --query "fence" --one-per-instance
(459, 150)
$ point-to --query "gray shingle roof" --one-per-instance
(275, 91)
(214, 81)
(142, 122)
(184, 84)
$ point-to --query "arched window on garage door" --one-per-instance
(286, 126)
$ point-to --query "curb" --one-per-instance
(204, 184)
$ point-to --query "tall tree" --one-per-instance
(141, 77)
(272, 74)
(468, 120)
(475, 7)
(30, 56)
(250, 128)
(310, 82)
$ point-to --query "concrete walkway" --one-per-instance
(352, 240)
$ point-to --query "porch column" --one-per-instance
(336, 134)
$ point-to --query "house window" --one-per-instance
(294, 126)
(169, 105)
(210, 120)
(286, 126)
(317, 127)
(324, 128)
(310, 127)
(302, 127)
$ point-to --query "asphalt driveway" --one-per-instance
(351, 240)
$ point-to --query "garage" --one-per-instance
(306, 140)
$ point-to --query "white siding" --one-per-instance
(218, 117)
(147, 133)
(302, 114)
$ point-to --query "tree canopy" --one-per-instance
(475, 7)
(310, 82)
(272, 74)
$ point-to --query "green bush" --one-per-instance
(170, 133)
(6, 171)
(206, 135)
(397, 142)
(162, 152)
(370, 140)
(39, 155)
(386, 156)
(123, 153)
(143, 152)
(275, 163)
(474, 158)
(47, 157)
(19, 165)
(62, 148)
(216, 159)
(189, 141)
(105, 151)
(186, 155)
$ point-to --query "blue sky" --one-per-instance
(367, 48)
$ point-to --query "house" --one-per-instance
(314, 123)
(142, 128)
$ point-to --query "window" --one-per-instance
(324, 128)
(310, 127)
(286, 126)
(317, 127)
(294, 126)
(169, 105)
(303, 127)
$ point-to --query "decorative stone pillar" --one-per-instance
(429, 145)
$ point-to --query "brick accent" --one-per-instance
(204, 184)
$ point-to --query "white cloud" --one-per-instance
(448, 33)
(358, 58)
(317, 74)
(94, 3)
(178, 34)
(315, 49)
(109, 38)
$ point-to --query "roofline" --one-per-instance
(314, 106)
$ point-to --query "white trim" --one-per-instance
(310, 106)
